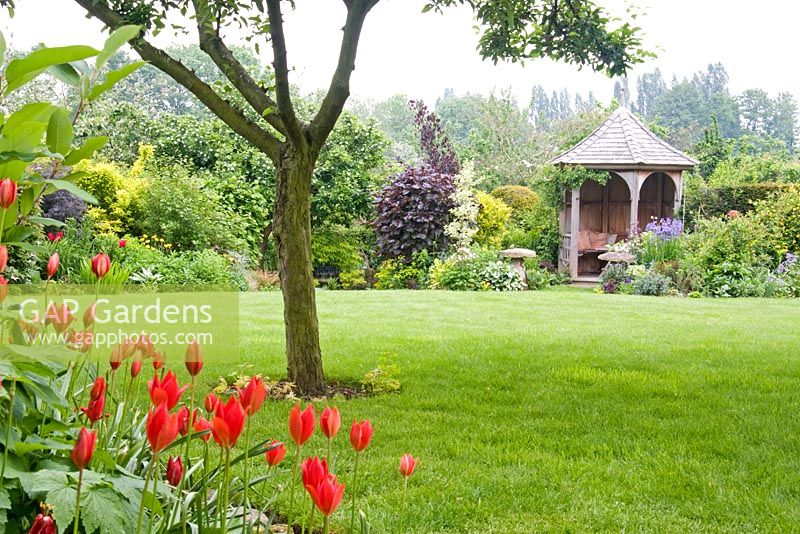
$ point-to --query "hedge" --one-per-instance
(717, 201)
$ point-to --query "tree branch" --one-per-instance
(339, 90)
(212, 44)
(236, 120)
(294, 130)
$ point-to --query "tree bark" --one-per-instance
(292, 229)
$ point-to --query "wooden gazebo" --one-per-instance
(645, 182)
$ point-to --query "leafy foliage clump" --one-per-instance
(519, 198)
(413, 211)
(492, 220)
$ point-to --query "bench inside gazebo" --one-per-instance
(645, 182)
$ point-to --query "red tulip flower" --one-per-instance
(3, 257)
(43, 524)
(301, 424)
(211, 402)
(136, 366)
(115, 359)
(59, 316)
(90, 315)
(101, 263)
(330, 421)
(98, 388)
(158, 360)
(52, 265)
(161, 427)
(407, 465)
(194, 358)
(361, 434)
(94, 410)
(166, 390)
(123, 243)
(228, 423)
(276, 454)
(183, 420)
(327, 494)
(55, 237)
(84, 448)
(174, 470)
(314, 471)
(252, 396)
(8, 193)
(201, 424)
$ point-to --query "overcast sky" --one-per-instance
(404, 51)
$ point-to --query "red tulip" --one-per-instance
(157, 361)
(161, 427)
(115, 359)
(276, 454)
(3, 288)
(101, 263)
(166, 390)
(330, 421)
(8, 193)
(90, 315)
(211, 402)
(128, 348)
(123, 243)
(98, 388)
(145, 345)
(52, 265)
(55, 237)
(59, 316)
(3, 257)
(183, 420)
(84, 448)
(301, 425)
(94, 410)
(136, 366)
(194, 358)
(252, 396)
(361, 434)
(228, 423)
(407, 465)
(201, 424)
(314, 471)
(327, 495)
(174, 470)
(43, 524)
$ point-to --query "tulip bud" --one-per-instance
(174, 470)
(90, 315)
(183, 420)
(330, 421)
(8, 193)
(84, 448)
(115, 360)
(3, 257)
(136, 366)
(211, 402)
(361, 434)
(194, 358)
(43, 524)
(276, 454)
(123, 243)
(101, 263)
(407, 465)
(201, 424)
(52, 265)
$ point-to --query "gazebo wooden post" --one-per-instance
(574, 230)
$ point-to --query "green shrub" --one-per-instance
(178, 206)
(336, 247)
(200, 268)
(501, 277)
(492, 219)
(702, 201)
(652, 284)
(397, 274)
(781, 218)
(353, 280)
(517, 197)
(480, 272)
(536, 229)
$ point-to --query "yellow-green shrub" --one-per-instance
(492, 219)
(781, 217)
(102, 180)
(517, 197)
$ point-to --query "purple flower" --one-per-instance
(665, 229)
(787, 264)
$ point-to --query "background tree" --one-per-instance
(510, 30)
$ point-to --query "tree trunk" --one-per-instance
(292, 228)
(262, 247)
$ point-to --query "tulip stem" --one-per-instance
(245, 509)
(294, 483)
(189, 428)
(78, 503)
(204, 507)
(144, 492)
(353, 511)
(224, 526)
(11, 394)
(327, 525)
(310, 517)
(403, 505)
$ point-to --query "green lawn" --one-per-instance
(561, 410)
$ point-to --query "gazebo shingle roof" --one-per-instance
(622, 141)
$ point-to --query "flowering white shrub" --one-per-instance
(464, 215)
